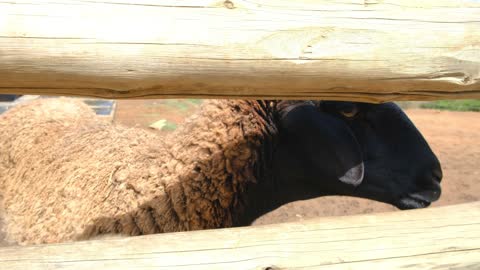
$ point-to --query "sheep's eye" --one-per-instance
(349, 112)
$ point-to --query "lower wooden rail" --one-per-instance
(434, 238)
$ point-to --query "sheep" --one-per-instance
(67, 175)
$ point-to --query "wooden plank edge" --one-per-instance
(435, 238)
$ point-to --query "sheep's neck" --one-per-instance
(219, 156)
(270, 192)
(277, 182)
(259, 196)
(257, 202)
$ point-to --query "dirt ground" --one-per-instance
(453, 136)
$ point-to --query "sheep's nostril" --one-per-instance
(437, 174)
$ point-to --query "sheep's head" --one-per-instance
(358, 149)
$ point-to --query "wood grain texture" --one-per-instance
(358, 50)
(434, 238)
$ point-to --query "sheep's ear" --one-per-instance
(327, 144)
(354, 176)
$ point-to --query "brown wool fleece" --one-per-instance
(68, 175)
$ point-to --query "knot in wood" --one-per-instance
(229, 4)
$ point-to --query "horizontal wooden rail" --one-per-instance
(434, 238)
(354, 49)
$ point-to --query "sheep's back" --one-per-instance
(99, 170)
(69, 175)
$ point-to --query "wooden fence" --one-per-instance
(435, 238)
(357, 50)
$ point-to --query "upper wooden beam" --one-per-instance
(435, 238)
(359, 50)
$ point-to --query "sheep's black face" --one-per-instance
(400, 168)
(357, 149)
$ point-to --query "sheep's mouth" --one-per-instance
(419, 199)
(406, 203)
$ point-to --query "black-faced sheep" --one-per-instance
(67, 175)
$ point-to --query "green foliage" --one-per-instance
(454, 105)
(169, 126)
(195, 101)
(183, 105)
(409, 104)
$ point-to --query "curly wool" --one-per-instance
(68, 175)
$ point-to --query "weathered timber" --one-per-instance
(435, 238)
(352, 49)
